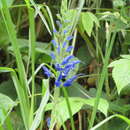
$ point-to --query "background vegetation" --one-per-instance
(99, 99)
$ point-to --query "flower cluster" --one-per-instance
(63, 60)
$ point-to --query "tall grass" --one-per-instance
(21, 83)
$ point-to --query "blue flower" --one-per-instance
(65, 31)
(69, 82)
(69, 49)
(52, 55)
(66, 59)
(54, 43)
(58, 67)
(54, 31)
(46, 71)
(58, 81)
(66, 72)
(72, 64)
(69, 38)
(48, 121)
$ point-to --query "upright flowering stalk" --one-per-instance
(63, 61)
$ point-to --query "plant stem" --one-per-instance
(101, 81)
(69, 107)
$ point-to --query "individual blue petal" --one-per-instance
(57, 83)
(58, 67)
(65, 31)
(58, 23)
(66, 59)
(64, 44)
(70, 81)
(72, 64)
(52, 55)
(47, 71)
(58, 80)
(54, 31)
(48, 121)
(66, 72)
(69, 49)
(69, 38)
(54, 42)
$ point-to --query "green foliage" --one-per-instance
(121, 72)
(6, 105)
(61, 110)
(88, 20)
(9, 3)
(98, 29)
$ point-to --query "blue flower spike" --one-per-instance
(65, 63)
(47, 71)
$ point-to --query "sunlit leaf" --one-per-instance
(121, 73)
(76, 104)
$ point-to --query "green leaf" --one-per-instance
(4, 39)
(121, 73)
(6, 104)
(9, 3)
(63, 7)
(88, 20)
(7, 88)
(61, 110)
(6, 69)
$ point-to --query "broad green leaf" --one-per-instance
(126, 56)
(40, 47)
(7, 88)
(87, 23)
(121, 73)
(88, 20)
(6, 104)
(9, 3)
(61, 110)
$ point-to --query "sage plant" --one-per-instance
(63, 60)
